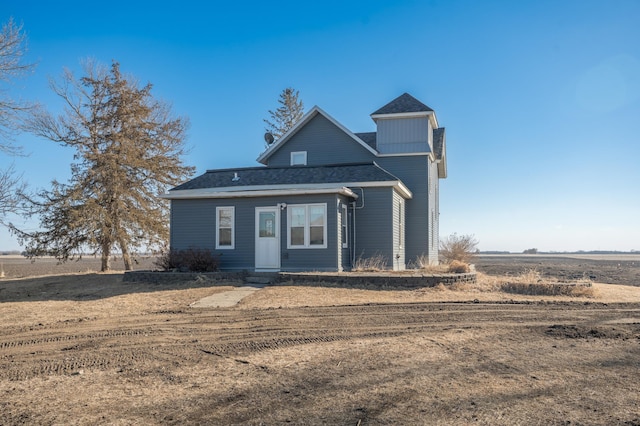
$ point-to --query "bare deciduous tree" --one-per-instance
(12, 48)
(11, 188)
(128, 149)
(285, 117)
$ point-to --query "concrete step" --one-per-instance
(260, 279)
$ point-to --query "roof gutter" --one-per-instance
(221, 193)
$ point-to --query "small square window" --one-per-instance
(299, 158)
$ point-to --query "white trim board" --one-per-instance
(216, 193)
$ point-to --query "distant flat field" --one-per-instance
(618, 256)
(16, 266)
(605, 268)
(601, 268)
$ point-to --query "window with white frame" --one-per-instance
(400, 225)
(307, 226)
(299, 158)
(225, 223)
(344, 220)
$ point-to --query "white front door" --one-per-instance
(267, 238)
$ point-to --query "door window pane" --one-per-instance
(267, 224)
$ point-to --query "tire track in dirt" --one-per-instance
(184, 338)
(72, 337)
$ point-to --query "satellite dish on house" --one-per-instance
(268, 138)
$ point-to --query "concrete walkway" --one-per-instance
(227, 299)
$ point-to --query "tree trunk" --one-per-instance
(106, 258)
(126, 257)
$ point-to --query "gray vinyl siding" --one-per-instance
(399, 232)
(402, 135)
(433, 213)
(374, 224)
(193, 225)
(414, 173)
(306, 259)
(324, 143)
(338, 232)
(344, 253)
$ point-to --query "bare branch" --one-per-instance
(11, 189)
(13, 43)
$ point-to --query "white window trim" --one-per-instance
(233, 228)
(307, 231)
(344, 225)
(304, 158)
(401, 235)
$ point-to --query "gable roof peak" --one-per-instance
(404, 103)
(316, 110)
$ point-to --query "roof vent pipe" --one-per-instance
(235, 177)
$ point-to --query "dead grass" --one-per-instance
(458, 267)
(422, 262)
(360, 363)
(375, 263)
(532, 283)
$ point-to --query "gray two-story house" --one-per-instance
(323, 197)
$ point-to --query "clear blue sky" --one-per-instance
(541, 99)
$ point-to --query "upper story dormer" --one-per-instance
(405, 125)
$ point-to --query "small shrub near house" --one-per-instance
(462, 248)
(453, 267)
(189, 260)
(457, 267)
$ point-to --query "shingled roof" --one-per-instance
(403, 103)
(438, 142)
(299, 175)
(369, 138)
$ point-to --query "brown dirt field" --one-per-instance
(90, 349)
(609, 269)
(20, 267)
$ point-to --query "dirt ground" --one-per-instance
(609, 269)
(90, 349)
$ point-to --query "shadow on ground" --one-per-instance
(86, 287)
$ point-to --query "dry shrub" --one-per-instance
(549, 289)
(424, 265)
(458, 247)
(532, 283)
(422, 262)
(457, 267)
(531, 276)
(189, 260)
(375, 263)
